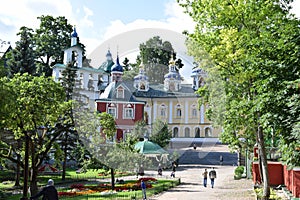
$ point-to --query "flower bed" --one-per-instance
(104, 189)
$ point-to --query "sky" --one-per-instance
(98, 22)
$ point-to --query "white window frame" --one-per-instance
(120, 92)
(114, 113)
(128, 111)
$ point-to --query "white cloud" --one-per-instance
(15, 13)
(86, 21)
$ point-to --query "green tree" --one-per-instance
(37, 102)
(69, 137)
(140, 129)
(241, 38)
(51, 38)
(161, 134)
(155, 55)
(22, 58)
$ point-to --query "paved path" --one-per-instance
(226, 188)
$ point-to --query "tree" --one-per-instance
(161, 134)
(69, 137)
(37, 103)
(155, 55)
(22, 58)
(51, 38)
(140, 129)
(241, 39)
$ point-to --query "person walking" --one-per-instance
(205, 177)
(212, 175)
(143, 186)
(49, 192)
(221, 160)
(159, 170)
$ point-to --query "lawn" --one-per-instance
(91, 191)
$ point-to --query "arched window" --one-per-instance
(175, 132)
(187, 132)
(163, 110)
(178, 111)
(207, 132)
(197, 132)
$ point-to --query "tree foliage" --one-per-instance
(22, 58)
(33, 102)
(51, 38)
(248, 43)
(160, 134)
(155, 55)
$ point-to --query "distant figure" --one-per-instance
(159, 170)
(221, 160)
(143, 186)
(195, 146)
(212, 175)
(141, 170)
(173, 174)
(205, 177)
(49, 192)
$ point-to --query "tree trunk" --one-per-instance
(26, 168)
(18, 171)
(112, 174)
(264, 162)
(33, 183)
(63, 177)
(34, 172)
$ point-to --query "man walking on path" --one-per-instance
(212, 175)
(143, 186)
(205, 177)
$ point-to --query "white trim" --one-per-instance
(186, 117)
(171, 112)
(202, 114)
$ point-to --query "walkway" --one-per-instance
(226, 188)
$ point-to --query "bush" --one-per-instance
(238, 172)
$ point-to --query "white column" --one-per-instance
(186, 112)
(154, 110)
(202, 114)
(170, 112)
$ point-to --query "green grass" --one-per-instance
(6, 188)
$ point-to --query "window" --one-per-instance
(207, 132)
(112, 112)
(178, 112)
(128, 113)
(175, 132)
(163, 111)
(120, 93)
(194, 112)
(197, 132)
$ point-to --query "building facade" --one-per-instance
(130, 101)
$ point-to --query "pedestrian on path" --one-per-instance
(221, 160)
(212, 175)
(205, 177)
(159, 169)
(143, 186)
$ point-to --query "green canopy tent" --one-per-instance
(152, 150)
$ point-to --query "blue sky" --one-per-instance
(98, 21)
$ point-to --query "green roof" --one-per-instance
(148, 147)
